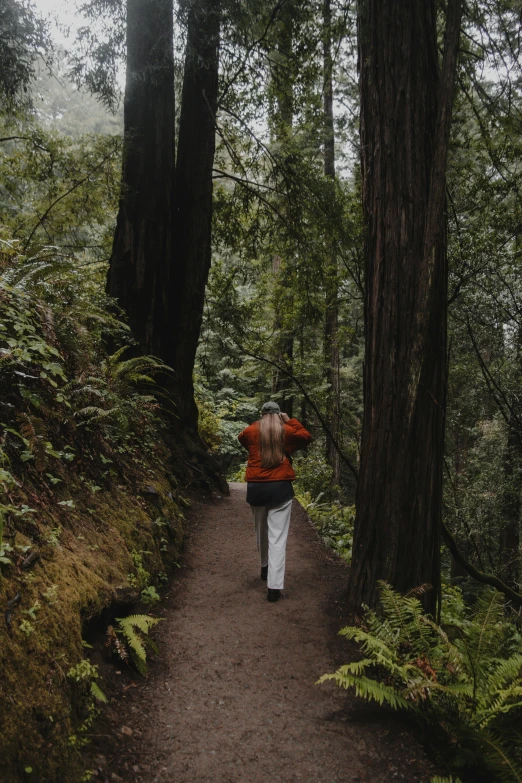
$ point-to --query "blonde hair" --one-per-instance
(271, 440)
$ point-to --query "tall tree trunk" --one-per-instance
(456, 569)
(511, 507)
(281, 121)
(282, 387)
(142, 250)
(405, 122)
(331, 274)
(193, 199)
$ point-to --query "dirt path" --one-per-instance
(231, 697)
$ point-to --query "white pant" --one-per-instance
(272, 525)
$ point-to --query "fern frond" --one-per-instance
(142, 621)
(501, 757)
(451, 779)
(33, 429)
(416, 592)
(404, 615)
(489, 617)
(95, 412)
(98, 693)
(132, 628)
(367, 689)
(504, 671)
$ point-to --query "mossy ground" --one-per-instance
(85, 564)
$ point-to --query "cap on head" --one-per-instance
(270, 407)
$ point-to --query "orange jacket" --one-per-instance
(296, 437)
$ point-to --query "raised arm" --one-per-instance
(296, 436)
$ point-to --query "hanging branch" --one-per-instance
(479, 576)
(67, 193)
(24, 138)
(495, 390)
(457, 506)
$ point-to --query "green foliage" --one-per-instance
(313, 471)
(141, 577)
(85, 671)
(209, 425)
(333, 521)
(23, 36)
(53, 320)
(222, 412)
(85, 675)
(57, 191)
(238, 474)
(149, 595)
(450, 779)
(131, 637)
(463, 678)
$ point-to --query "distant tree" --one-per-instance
(331, 272)
(281, 100)
(406, 107)
(23, 37)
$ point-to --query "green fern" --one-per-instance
(465, 678)
(451, 779)
(132, 372)
(97, 692)
(135, 631)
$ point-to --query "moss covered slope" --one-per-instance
(92, 556)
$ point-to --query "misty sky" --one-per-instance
(62, 12)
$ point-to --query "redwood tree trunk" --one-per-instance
(193, 199)
(282, 93)
(331, 274)
(511, 500)
(405, 120)
(142, 249)
(282, 387)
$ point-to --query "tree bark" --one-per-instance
(282, 386)
(142, 250)
(511, 505)
(193, 196)
(405, 122)
(282, 93)
(331, 272)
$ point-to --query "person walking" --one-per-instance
(269, 475)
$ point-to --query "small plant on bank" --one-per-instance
(462, 678)
(86, 674)
(141, 578)
(149, 595)
(85, 671)
(130, 638)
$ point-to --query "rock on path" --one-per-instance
(231, 698)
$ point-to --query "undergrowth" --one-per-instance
(330, 515)
(89, 502)
(462, 679)
(333, 521)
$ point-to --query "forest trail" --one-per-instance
(231, 698)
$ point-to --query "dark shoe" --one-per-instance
(264, 573)
(273, 595)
